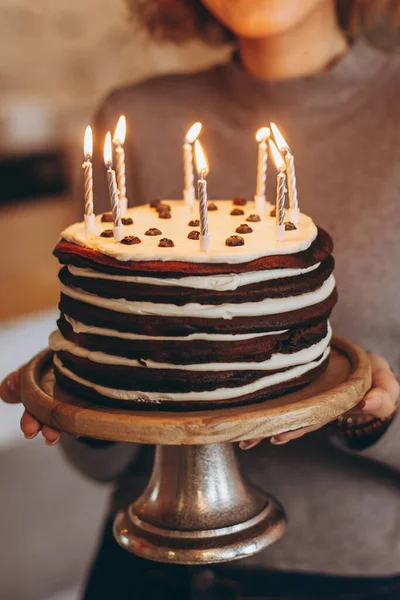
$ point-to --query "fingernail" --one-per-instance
(248, 444)
(52, 443)
(370, 404)
(30, 437)
(277, 442)
(12, 382)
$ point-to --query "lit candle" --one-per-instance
(260, 197)
(203, 170)
(280, 192)
(118, 140)
(113, 190)
(291, 174)
(191, 136)
(90, 227)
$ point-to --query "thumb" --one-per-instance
(10, 388)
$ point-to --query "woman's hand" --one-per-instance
(381, 401)
(10, 393)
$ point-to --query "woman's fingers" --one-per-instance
(282, 438)
(381, 401)
(9, 392)
(51, 436)
(288, 436)
(247, 444)
(9, 388)
(30, 426)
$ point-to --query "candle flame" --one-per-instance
(120, 131)
(108, 151)
(263, 134)
(201, 160)
(277, 156)
(193, 133)
(88, 143)
(279, 139)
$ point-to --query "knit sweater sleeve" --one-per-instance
(102, 461)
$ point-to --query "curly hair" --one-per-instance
(181, 20)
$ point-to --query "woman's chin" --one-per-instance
(261, 18)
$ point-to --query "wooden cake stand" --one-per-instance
(197, 508)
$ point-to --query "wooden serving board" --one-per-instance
(339, 389)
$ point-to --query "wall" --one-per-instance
(57, 59)
(67, 54)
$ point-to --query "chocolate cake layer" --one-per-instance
(158, 380)
(79, 256)
(183, 326)
(286, 387)
(275, 288)
(256, 349)
(173, 327)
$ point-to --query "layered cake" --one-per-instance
(153, 321)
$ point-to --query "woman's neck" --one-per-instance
(307, 48)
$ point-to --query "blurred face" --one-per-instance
(262, 18)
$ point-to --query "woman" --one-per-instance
(338, 105)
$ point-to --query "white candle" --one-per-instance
(203, 170)
(119, 139)
(90, 227)
(191, 136)
(260, 197)
(291, 174)
(118, 230)
(280, 192)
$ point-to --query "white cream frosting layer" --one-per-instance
(79, 327)
(220, 283)
(268, 306)
(261, 242)
(277, 361)
(213, 395)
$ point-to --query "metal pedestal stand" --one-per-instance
(197, 508)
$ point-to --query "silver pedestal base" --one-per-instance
(197, 509)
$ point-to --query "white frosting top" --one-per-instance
(261, 242)
(220, 283)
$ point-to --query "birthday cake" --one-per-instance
(152, 320)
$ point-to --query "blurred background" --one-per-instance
(57, 59)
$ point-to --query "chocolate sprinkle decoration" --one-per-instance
(236, 212)
(107, 218)
(234, 240)
(163, 207)
(239, 201)
(127, 221)
(166, 243)
(155, 203)
(164, 214)
(243, 228)
(130, 239)
(194, 223)
(212, 206)
(273, 213)
(107, 233)
(289, 226)
(194, 235)
(253, 218)
(153, 231)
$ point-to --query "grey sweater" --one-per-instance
(343, 127)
